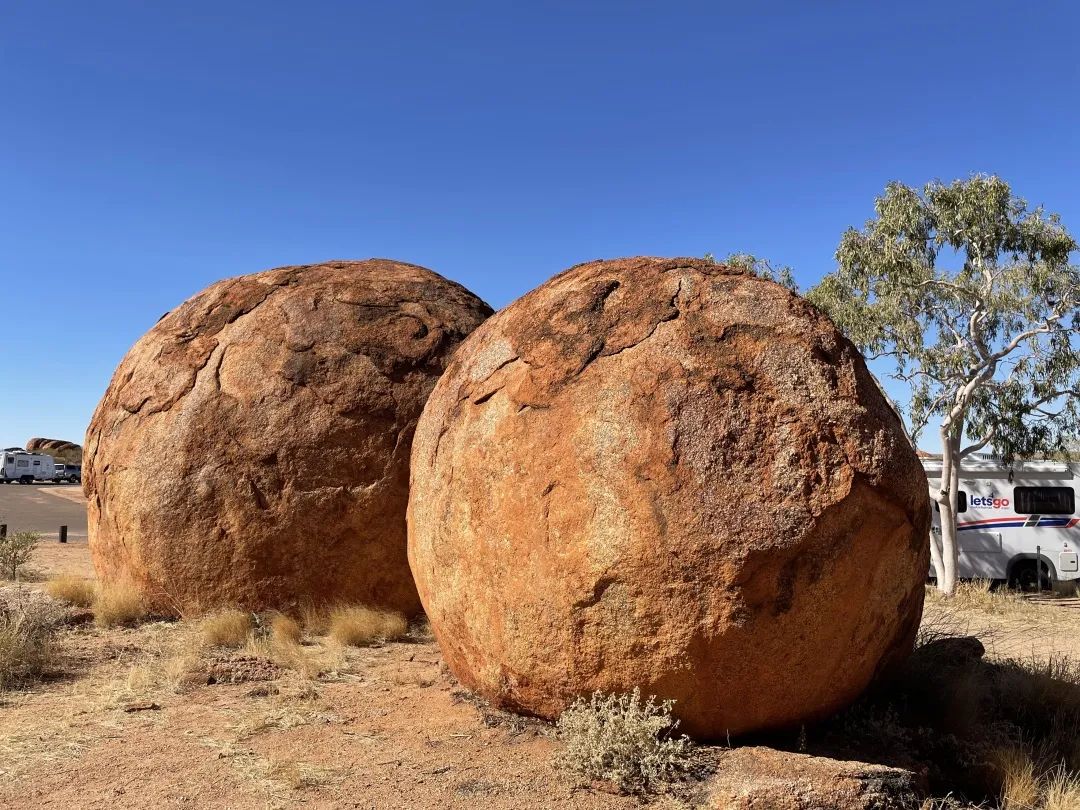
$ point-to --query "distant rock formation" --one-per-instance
(253, 447)
(67, 452)
(672, 475)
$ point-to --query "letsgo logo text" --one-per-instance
(990, 502)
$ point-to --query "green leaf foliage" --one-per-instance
(970, 292)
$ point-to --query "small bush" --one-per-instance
(620, 739)
(226, 628)
(119, 604)
(284, 630)
(72, 590)
(359, 626)
(15, 552)
(27, 650)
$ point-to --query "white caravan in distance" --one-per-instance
(1016, 523)
(19, 467)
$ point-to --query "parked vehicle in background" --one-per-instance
(67, 473)
(1015, 523)
(19, 467)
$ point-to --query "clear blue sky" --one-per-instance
(149, 149)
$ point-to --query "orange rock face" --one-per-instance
(665, 473)
(253, 447)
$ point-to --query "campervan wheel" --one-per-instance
(1030, 577)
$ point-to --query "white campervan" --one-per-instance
(19, 467)
(1016, 523)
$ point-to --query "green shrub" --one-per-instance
(16, 550)
(620, 739)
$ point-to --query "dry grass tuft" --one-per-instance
(309, 663)
(358, 626)
(1061, 791)
(299, 775)
(226, 628)
(72, 590)
(1019, 782)
(167, 654)
(315, 619)
(983, 596)
(285, 655)
(119, 604)
(1024, 788)
(274, 775)
(624, 741)
(286, 712)
(284, 630)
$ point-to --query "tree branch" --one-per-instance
(979, 445)
(1016, 341)
(879, 355)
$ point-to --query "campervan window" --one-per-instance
(961, 502)
(1044, 500)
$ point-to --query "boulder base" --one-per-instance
(668, 474)
(253, 447)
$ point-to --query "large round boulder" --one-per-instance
(672, 475)
(253, 447)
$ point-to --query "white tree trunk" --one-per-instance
(949, 553)
(936, 557)
(947, 503)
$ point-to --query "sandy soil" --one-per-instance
(52, 558)
(382, 727)
(388, 730)
(385, 727)
(1038, 630)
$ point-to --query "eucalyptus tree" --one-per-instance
(969, 292)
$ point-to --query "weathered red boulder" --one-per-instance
(667, 474)
(253, 447)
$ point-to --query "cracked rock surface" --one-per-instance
(252, 449)
(665, 473)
